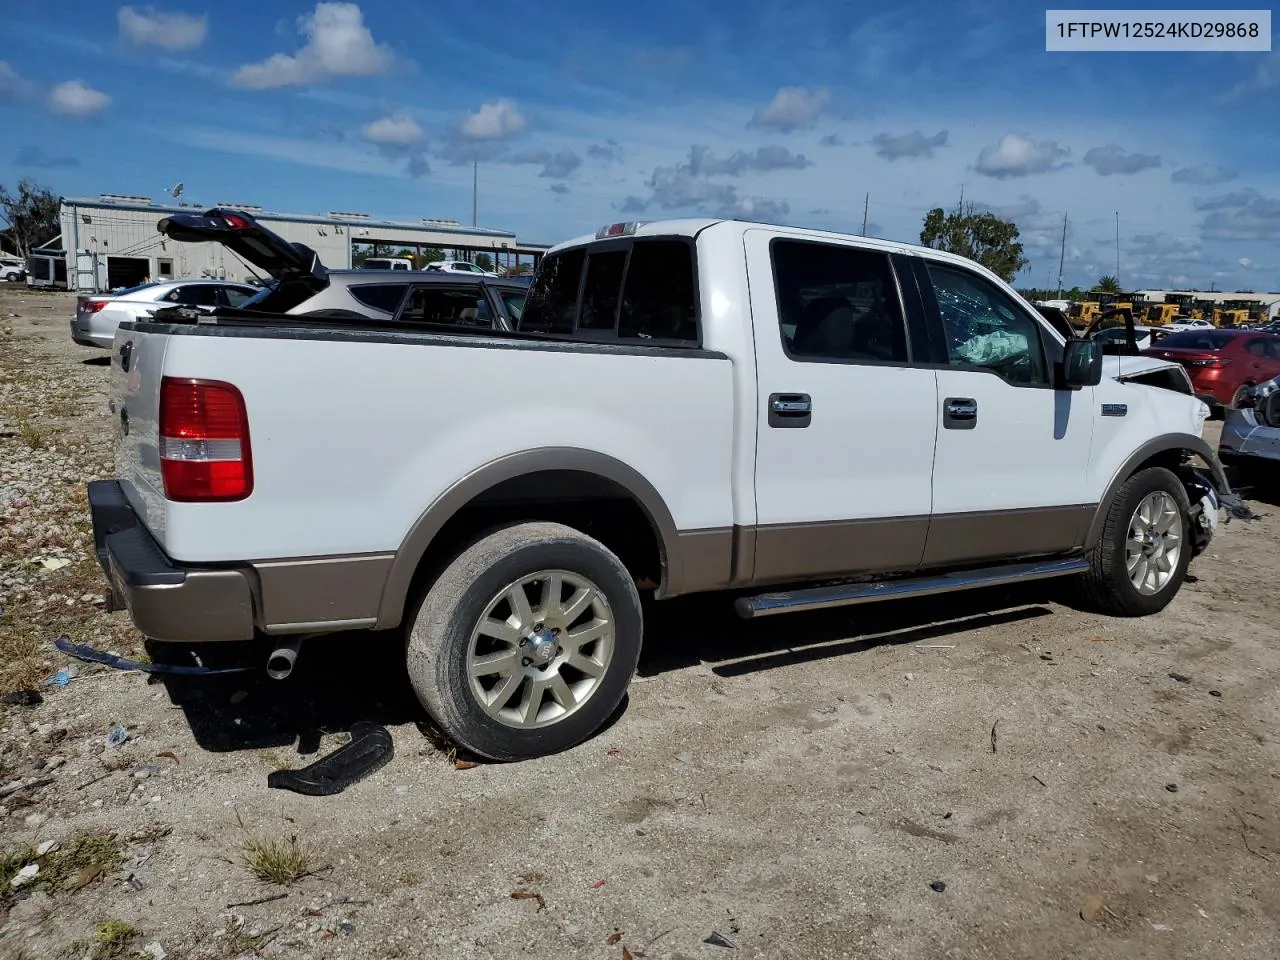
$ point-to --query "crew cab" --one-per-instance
(802, 418)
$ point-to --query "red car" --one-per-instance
(1222, 363)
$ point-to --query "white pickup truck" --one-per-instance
(804, 418)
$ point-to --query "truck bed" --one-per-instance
(355, 431)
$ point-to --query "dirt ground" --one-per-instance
(794, 786)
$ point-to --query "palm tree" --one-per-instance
(1107, 284)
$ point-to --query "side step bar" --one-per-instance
(842, 595)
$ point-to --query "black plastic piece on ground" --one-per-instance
(22, 698)
(716, 940)
(937, 886)
(370, 749)
(82, 651)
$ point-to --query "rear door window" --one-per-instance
(448, 307)
(195, 295)
(381, 296)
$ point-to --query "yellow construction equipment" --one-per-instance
(1158, 314)
(1083, 312)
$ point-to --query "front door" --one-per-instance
(1009, 477)
(846, 424)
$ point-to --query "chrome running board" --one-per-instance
(847, 594)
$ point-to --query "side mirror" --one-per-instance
(1081, 364)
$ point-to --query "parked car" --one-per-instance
(12, 269)
(1178, 324)
(807, 418)
(98, 315)
(302, 287)
(459, 266)
(1142, 336)
(1250, 437)
(1222, 364)
(386, 263)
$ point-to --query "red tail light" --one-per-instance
(235, 221)
(204, 441)
(93, 306)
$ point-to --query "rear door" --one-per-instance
(1262, 358)
(446, 305)
(847, 414)
(1009, 478)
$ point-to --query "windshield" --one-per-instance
(1197, 340)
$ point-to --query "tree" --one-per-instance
(1107, 284)
(431, 255)
(31, 217)
(982, 237)
(484, 261)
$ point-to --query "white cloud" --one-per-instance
(173, 31)
(1246, 263)
(397, 129)
(1019, 156)
(1266, 76)
(790, 108)
(338, 45)
(1112, 159)
(74, 98)
(1203, 175)
(914, 144)
(399, 137)
(12, 86)
(494, 121)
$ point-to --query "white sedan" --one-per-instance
(98, 316)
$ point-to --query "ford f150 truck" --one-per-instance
(804, 418)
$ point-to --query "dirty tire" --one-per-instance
(441, 635)
(1106, 587)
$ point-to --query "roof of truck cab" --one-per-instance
(692, 226)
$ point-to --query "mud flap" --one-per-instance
(370, 749)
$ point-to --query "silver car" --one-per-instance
(1251, 434)
(303, 287)
(98, 315)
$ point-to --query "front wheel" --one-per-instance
(526, 643)
(1141, 559)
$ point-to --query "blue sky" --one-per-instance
(581, 114)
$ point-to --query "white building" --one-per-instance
(116, 243)
(1217, 296)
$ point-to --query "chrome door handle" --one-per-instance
(790, 410)
(959, 413)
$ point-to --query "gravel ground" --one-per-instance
(797, 787)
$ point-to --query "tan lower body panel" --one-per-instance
(329, 593)
(960, 538)
(807, 550)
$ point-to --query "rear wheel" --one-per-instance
(1141, 558)
(525, 645)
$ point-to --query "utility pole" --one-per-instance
(1118, 250)
(1062, 257)
(475, 178)
(865, 205)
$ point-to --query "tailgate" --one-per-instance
(137, 363)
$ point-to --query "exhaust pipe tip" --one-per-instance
(282, 660)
